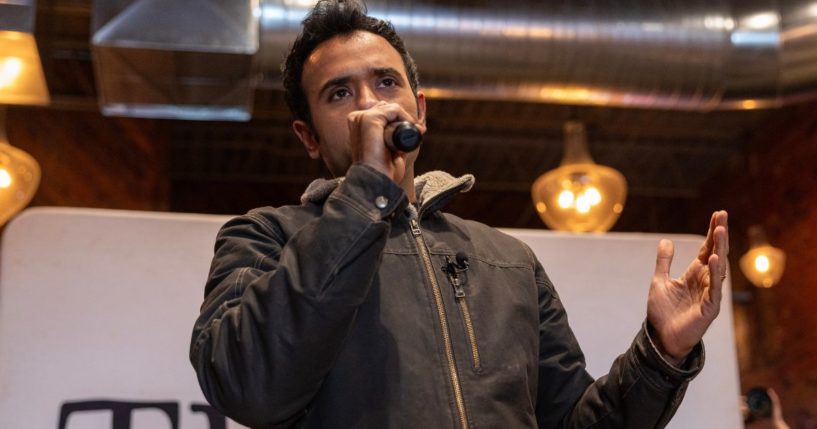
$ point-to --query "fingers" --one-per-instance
(722, 241)
(382, 113)
(773, 396)
(777, 410)
(709, 242)
(715, 281)
(712, 244)
(366, 129)
(663, 259)
(367, 126)
(718, 261)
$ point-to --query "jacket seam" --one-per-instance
(264, 223)
(492, 262)
(531, 256)
(237, 291)
(270, 230)
(262, 257)
(257, 263)
(500, 264)
(546, 285)
(352, 204)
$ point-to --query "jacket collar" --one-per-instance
(434, 189)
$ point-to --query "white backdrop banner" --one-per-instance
(97, 309)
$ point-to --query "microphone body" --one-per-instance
(402, 136)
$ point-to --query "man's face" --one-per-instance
(345, 74)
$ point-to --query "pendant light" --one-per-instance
(763, 264)
(22, 80)
(580, 195)
(19, 176)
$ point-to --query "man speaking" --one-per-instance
(368, 306)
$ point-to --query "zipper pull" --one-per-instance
(415, 227)
(454, 277)
(459, 292)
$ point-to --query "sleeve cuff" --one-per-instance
(371, 192)
(661, 372)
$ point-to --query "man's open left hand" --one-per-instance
(680, 310)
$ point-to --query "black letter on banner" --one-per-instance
(217, 420)
(122, 411)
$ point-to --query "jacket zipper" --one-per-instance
(438, 300)
(469, 328)
(459, 296)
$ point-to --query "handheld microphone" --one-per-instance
(402, 136)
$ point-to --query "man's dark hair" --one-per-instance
(330, 18)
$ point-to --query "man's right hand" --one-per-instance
(366, 129)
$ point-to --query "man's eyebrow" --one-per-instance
(341, 80)
(381, 71)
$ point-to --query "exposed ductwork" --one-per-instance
(692, 54)
(17, 15)
(188, 59)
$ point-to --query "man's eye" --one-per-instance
(339, 93)
(388, 82)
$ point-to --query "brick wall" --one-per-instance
(775, 185)
(88, 160)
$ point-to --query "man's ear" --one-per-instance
(421, 107)
(307, 137)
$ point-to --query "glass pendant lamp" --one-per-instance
(763, 264)
(19, 176)
(580, 195)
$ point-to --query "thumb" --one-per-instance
(663, 259)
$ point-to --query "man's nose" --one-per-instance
(366, 97)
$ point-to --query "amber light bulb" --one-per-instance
(763, 264)
(19, 176)
(579, 195)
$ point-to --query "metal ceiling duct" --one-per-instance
(17, 15)
(187, 59)
(691, 54)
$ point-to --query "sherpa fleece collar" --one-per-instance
(433, 188)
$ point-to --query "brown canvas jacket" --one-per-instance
(357, 309)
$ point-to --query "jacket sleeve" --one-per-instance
(641, 391)
(276, 313)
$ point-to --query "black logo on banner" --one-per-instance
(123, 412)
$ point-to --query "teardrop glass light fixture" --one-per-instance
(21, 74)
(763, 264)
(19, 176)
(580, 195)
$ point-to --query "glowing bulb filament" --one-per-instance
(9, 71)
(762, 263)
(566, 199)
(583, 204)
(5, 178)
(593, 196)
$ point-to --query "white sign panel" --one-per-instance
(97, 309)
